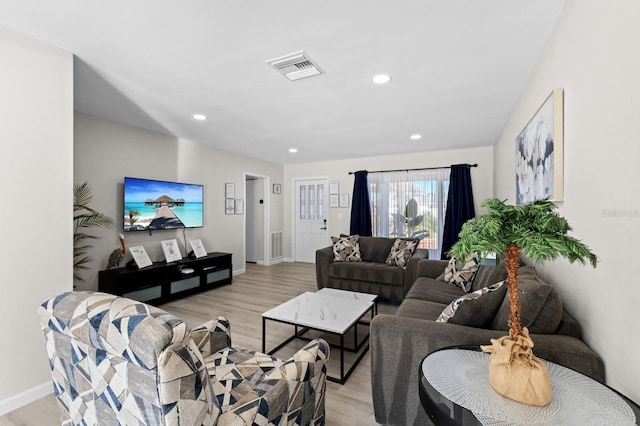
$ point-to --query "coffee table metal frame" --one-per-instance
(301, 328)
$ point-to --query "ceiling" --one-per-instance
(457, 68)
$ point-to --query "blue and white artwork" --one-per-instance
(536, 156)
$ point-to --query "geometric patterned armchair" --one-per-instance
(116, 361)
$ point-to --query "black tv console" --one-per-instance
(162, 282)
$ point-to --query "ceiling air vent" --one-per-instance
(295, 66)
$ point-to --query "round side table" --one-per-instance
(455, 390)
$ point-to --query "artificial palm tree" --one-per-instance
(534, 229)
(84, 217)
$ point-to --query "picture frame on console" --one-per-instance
(140, 256)
(198, 248)
(171, 250)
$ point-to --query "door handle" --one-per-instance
(324, 227)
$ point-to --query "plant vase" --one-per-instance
(538, 231)
(516, 373)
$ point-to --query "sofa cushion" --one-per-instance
(367, 271)
(540, 305)
(375, 249)
(430, 289)
(419, 309)
(475, 309)
(461, 275)
(401, 252)
(488, 275)
(346, 249)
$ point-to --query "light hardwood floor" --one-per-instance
(259, 289)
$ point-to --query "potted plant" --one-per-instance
(539, 232)
(84, 217)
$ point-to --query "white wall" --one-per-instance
(105, 152)
(36, 124)
(339, 218)
(593, 53)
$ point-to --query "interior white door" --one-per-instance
(311, 218)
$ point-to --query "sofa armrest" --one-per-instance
(399, 344)
(411, 273)
(308, 362)
(212, 336)
(324, 257)
(431, 268)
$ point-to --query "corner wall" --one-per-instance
(36, 128)
(105, 152)
(593, 53)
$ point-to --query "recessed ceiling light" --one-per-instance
(293, 150)
(381, 78)
(416, 137)
(200, 117)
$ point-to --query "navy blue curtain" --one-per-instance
(459, 206)
(360, 208)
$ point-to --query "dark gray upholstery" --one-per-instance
(372, 275)
(540, 305)
(400, 342)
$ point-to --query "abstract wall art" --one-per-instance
(539, 153)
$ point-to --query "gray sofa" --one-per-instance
(372, 275)
(399, 342)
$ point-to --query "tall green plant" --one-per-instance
(84, 218)
(534, 229)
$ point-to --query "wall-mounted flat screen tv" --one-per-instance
(154, 204)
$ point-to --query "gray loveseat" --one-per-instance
(372, 274)
(399, 342)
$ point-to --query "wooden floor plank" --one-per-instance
(258, 290)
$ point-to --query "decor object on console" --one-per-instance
(171, 250)
(118, 254)
(371, 274)
(541, 234)
(140, 257)
(84, 217)
(400, 342)
(539, 153)
(117, 361)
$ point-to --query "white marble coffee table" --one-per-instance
(328, 310)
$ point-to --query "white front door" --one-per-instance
(311, 218)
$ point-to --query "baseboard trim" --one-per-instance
(239, 271)
(23, 398)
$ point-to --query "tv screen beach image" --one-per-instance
(152, 204)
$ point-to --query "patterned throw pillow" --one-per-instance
(401, 252)
(346, 249)
(461, 276)
(475, 309)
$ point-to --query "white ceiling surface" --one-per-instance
(457, 68)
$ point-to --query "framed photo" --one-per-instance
(198, 248)
(229, 206)
(239, 207)
(334, 187)
(229, 190)
(344, 200)
(140, 256)
(277, 188)
(540, 153)
(334, 200)
(171, 250)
